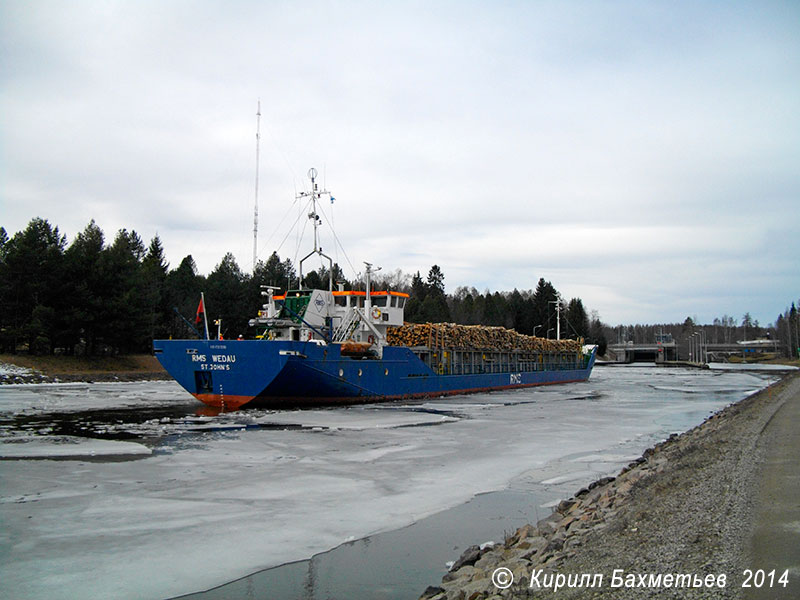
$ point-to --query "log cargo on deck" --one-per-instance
(466, 349)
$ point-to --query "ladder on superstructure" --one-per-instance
(348, 326)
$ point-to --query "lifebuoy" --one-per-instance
(376, 312)
(371, 339)
(309, 336)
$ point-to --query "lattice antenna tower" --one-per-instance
(255, 209)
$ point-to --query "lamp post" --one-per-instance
(699, 347)
(557, 302)
(703, 347)
(535, 328)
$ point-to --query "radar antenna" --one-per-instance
(315, 194)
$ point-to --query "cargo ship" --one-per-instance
(321, 347)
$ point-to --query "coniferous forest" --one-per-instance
(95, 296)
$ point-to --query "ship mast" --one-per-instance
(255, 210)
(557, 302)
(315, 194)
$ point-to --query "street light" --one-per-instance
(703, 351)
(698, 346)
(557, 302)
(534, 329)
(698, 355)
(703, 346)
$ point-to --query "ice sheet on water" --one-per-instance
(67, 446)
(605, 457)
(573, 476)
(224, 499)
(695, 390)
(77, 397)
(355, 418)
(750, 367)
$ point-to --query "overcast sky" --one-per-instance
(644, 156)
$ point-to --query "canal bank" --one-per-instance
(22, 368)
(720, 500)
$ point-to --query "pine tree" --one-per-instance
(125, 319)
(274, 273)
(435, 280)
(577, 319)
(85, 285)
(183, 287)
(3, 242)
(434, 307)
(419, 291)
(226, 298)
(544, 315)
(153, 292)
(32, 279)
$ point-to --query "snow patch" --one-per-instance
(14, 370)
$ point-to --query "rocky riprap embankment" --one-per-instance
(685, 506)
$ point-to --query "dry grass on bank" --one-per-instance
(54, 366)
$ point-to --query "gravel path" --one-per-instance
(690, 509)
(775, 540)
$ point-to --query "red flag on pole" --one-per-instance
(200, 310)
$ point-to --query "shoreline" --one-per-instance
(22, 369)
(687, 505)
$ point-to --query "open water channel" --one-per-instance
(128, 491)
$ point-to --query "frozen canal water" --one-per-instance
(123, 491)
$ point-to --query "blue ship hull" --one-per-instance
(236, 373)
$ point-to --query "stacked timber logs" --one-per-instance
(474, 337)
